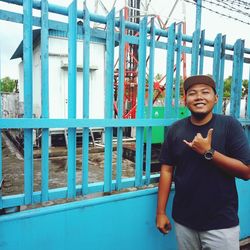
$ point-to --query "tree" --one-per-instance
(7, 84)
(227, 87)
(245, 87)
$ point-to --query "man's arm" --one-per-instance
(230, 165)
(162, 221)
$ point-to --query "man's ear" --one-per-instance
(216, 98)
(185, 99)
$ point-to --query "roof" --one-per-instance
(19, 51)
(58, 33)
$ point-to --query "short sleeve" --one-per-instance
(166, 155)
(238, 145)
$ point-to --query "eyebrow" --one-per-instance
(195, 90)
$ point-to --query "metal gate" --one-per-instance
(114, 36)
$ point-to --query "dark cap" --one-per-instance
(199, 79)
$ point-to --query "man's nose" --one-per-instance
(198, 96)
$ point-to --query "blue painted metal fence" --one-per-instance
(200, 50)
(114, 35)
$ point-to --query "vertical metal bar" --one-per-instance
(202, 52)
(72, 36)
(85, 138)
(237, 78)
(195, 52)
(195, 42)
(170, 71)
(198, 15)
(28, 99)
(150, 100)
(110, 43)
(1, 153)
(120, 101)
(140, 100)
(196, 35)
(45, 98)
(220, 88)
(216, 63)
(216, 59)
(248, 99)
(178, 72)
(248, 107)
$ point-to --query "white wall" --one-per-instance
(58, 79)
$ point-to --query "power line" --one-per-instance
(235, 3)
(227, 6)
(219, 13)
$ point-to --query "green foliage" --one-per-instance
(7, 85)
(227, 87)
(245, 87)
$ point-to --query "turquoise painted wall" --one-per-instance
(122, 221)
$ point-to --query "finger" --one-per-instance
(162, 230)
(168, 227)
(190, 144)
(198, 135)
(209, 134)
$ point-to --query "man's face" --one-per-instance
(200, 99)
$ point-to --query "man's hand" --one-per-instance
(163, 223)
(200, 144)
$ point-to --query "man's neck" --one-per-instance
(199, 121)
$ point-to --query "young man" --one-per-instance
(203, 154)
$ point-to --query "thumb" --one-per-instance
(188, 143)
(209, 134)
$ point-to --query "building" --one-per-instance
(58, 77)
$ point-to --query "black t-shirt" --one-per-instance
(205, 196)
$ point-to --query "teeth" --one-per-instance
(199, 105)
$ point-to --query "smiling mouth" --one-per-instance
(199, 105)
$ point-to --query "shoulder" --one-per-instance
(180, 123)
(227, 120)
(176, 128)
(228, 125)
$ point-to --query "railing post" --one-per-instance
(220, 88)
(28, 99)
(120, 100)
(216, 63)
(140, 101)
(170, 71)
(195, 52)
(85, 136)
(178, 72)
(72, 70)
(216, 59)
(109, 94)
(202, 52)
(45, 97)
(150, 99)
(248, 107)
(236, 86)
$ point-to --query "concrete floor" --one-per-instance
(13, 169)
